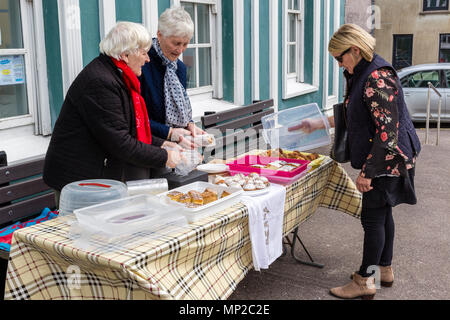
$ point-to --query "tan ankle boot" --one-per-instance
(386, 276)
(359, 287)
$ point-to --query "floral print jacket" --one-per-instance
(385, 157)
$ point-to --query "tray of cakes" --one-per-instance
(252, 183)
(200, 198)
(278, 170)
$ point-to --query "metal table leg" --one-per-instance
(295, 237)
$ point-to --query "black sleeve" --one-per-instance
(102, 109)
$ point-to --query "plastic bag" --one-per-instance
(190, 159)
(205, 140)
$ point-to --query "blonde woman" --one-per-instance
(383, 146)
(103, 129)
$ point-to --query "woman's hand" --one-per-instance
(363, 184)
(195, 131)
(308, 125)
(187, 142)
(176, 134)
(174, 158)
(171, 146)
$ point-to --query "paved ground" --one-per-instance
(421, 249)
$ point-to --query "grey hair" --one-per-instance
(176, 22)
(125, 37)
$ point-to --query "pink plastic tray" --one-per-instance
(244, 165)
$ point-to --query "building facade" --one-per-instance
(413, 32)
(242, 51)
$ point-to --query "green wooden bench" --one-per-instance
(23, 196)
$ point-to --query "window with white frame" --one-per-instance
(294, 41)
(295, 80)
(200, 56)
(21, 93)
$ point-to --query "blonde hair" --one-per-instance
(125, 37)
(350, 35)
(176, 22)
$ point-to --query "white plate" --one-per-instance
(256, 192)
(213, 167)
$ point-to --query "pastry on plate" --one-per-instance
(249, 187)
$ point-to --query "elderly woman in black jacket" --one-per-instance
(103, 130)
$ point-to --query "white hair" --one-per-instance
(125, 37)
(176, 22)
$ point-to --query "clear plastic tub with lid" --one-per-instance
(278, 134)
(85, 193)
(141, 213)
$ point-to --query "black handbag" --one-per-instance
(340, 151)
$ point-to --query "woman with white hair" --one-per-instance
(103, 129)
(164, 79)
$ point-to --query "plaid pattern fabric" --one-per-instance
(205, 260)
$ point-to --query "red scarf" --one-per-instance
(140, 110)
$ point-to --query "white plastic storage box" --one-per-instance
(86, 193)
(195, 214)
(276, 127)
(130, 215)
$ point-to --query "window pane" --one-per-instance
(13, 91)
(403, 45)
(296, 5)
(444, 52)
(189, 61)
(203, 23)
(189, 7)
(290, 4)
(10, 25)
(292, 28)
(292, 59)
(421, 79)
(435, 5)
(447, 75)
(204, 64)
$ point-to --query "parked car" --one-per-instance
(415, 80)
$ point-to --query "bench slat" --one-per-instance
(242, 122)
(26, 208)
(22, 189)
(23, 170)
(213, 119)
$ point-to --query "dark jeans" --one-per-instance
(377, 219)
(379, 229)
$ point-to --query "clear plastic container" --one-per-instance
(276, 129)
(141, 213)
(86, 193)
(147, 186)
(194, 214)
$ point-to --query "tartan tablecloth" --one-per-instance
(205, 260)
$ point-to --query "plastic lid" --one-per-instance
(130, 214)
(276, 127)
(89, 192)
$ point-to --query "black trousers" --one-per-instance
(377, 219)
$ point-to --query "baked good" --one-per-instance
(224, 194)
(209, 197)
(219, 180)
(175, 195)
(196, 197)
(185, 198)
(249, 187)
